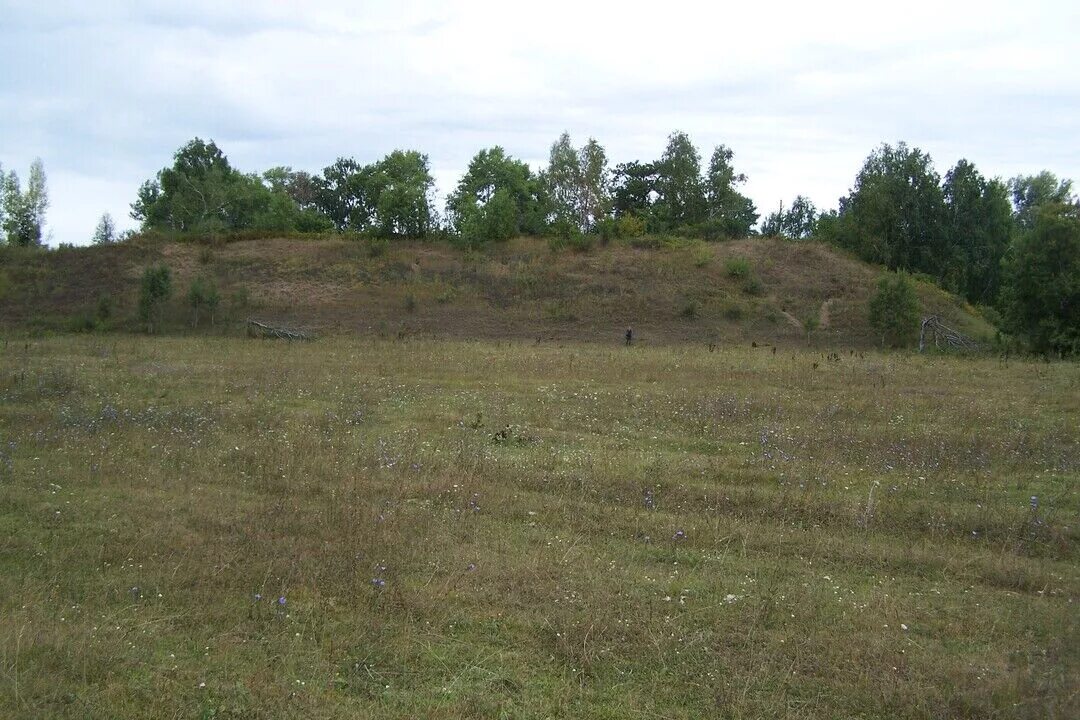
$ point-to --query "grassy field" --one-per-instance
(231, 528)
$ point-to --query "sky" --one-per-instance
(105, 92)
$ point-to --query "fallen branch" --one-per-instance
(258, 329)
(943, 334)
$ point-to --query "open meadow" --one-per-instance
(232, 528)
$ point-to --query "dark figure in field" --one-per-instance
(629, 336)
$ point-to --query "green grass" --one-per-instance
(857, 534)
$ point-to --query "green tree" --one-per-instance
(729, 210)
(299, 185)
(563, 180)
(294, 196)
(978, 224)
(595, 195)
(894, 310)
(24, 212)
(634, 189)
(343, 193)
(894, 215)
(196, 298)
(203, 193)
(154, 292)
(1042, 281)
(681, 196)
(1031, 192)
(401, 187)
(578, 185)
(105, 232)
(191, 196)
(203, 295)
(489, 172)
(798, 222)
(212, 299)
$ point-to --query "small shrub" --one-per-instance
(556, 243)
(753, 286)
(581, 243)
(646, 242)
(690, 310)
(991, 315)
(894, 310)
(700, 255)
(82, 322)
(154, 291)
(206, 255)
(738, 268)
(202, 295)
(410, 303)
(105, 307)
(240, 298)
(213, 299)
(607, 229)
(377, 247)
(560, 312)
(629, 226)
(733, 312)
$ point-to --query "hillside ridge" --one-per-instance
(761, 290)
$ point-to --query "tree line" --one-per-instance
(498, 196)
(1011, 247)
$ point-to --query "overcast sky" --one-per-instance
(104, 92)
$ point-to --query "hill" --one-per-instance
(755, 290)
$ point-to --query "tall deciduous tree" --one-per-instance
(491, 172)
(578, 184)
(202, 192)
(732, 211)
(634, 189)
(192, 195)
(595, 200)
(978, 224)
(401, 190)
(563, 180)
(796, 222)
(297, 184)
(343, 193)
(894, 215)
(24, 211)
(1030, 192)
(681, 197)
(1042, 281)
(105, 232)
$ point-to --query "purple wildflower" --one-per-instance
(378, 583)
(679, 535)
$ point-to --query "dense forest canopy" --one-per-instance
(1012, 247)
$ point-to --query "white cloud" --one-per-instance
(801, 91)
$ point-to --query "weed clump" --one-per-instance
(738, 268)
